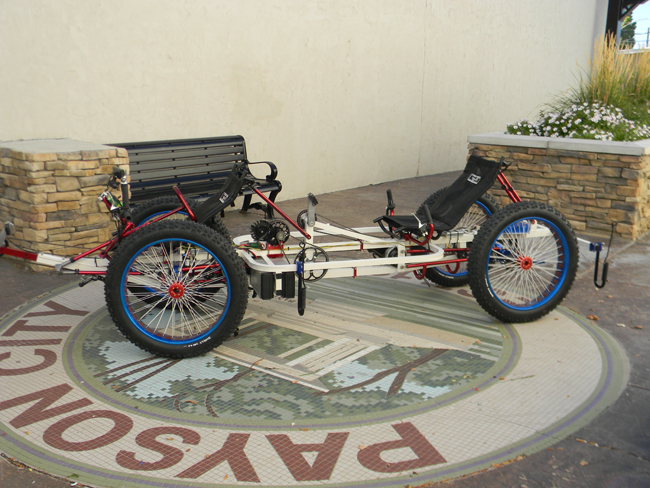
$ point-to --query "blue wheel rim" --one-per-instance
(510, 279)
(192, 291)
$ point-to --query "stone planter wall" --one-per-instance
(593, 183)
(49, 189)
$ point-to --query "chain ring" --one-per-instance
(259, 230)
(274, 232)
(311, 254)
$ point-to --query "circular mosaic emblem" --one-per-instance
(382, 382)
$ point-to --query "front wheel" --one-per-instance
(176, 288)
(523, 262)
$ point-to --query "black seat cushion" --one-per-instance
(411, 223)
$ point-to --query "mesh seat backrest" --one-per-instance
(477, 178)
(225, 196)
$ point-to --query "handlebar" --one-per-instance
(427, 214)
(118, 179)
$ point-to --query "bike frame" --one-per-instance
(410, 253)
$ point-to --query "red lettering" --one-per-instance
(57, 309)
(20, 326)
(233, 452)
(328, 453)
(427, 455)
(147, 439)
(40, 410)
(49, 358)
(33, 342)
(53, 436)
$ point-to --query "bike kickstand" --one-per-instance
(597, 247)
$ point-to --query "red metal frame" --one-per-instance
(18, 254)
(185, 205)
(409, 238)
(505, 184)
(129, 228)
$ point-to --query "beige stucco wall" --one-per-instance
(339, 93)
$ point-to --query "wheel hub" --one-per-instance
(525, 262)
(176, 290)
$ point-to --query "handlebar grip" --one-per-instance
(125, 196)
(115, 177)
(391, 204)
(427, 214)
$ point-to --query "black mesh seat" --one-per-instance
(477, 178)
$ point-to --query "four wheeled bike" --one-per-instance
(179, 287)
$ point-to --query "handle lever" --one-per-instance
(390, 208)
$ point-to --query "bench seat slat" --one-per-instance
(170, 181)
(199, 171)
(152, 165)
(185, 147)
(200, 142)
(195, 190)
(141, 156)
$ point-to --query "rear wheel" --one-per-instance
(157, 207)
(523, 262)
(452, 275)
(176, 288)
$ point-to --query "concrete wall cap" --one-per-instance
(38, 146)
(633, 148)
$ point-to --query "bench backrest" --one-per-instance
(197, 166)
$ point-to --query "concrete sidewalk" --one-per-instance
(613, 451)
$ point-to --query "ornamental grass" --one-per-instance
(611, 100)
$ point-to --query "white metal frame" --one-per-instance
(270, 259)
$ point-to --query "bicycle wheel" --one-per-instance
(523, 262)
(176, 288)
(156, 207)
(452, 275)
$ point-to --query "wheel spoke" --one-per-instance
(524, 269)
(182, 302)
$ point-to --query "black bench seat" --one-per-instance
(198, 167)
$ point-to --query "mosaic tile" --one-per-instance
(372, 383)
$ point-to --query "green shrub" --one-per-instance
(610, 102)
(584, 121)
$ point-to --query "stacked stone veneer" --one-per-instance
(593, 183)
(49, 190)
